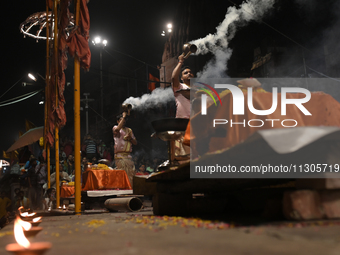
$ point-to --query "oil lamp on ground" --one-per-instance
(27, 216)
(23, 246)
(36, 221)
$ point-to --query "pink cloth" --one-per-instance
(183, 104)
(121, 145)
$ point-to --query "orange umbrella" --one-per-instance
(29, 137)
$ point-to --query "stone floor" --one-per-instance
(142, 233)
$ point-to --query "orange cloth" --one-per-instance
(66, 191)
(105, 179)
(99, 180)
(186, 140)
(324, 108)
(152, 85)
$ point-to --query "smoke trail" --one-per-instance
(158, 96)
(218, 43)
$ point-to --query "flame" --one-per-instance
(26, 214)
(0, 163)
(24, 224)
(20, 208)
(36, 219)
(19, 234)
(64, 207)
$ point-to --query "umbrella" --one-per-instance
(29, 137)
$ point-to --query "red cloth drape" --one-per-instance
(152, 85)
(78, 40)
(74, 43)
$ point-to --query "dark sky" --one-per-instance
(131, 27)
(134, 27)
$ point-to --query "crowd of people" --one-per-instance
(33, 192)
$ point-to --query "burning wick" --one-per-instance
(28, 229)
(36, 219)
(64, 207)
(19, 233)
(26, 214)
(23, 246)
(24, 224)
(35, 222)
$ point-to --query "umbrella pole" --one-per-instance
(47, 99)
(56, 132)
(77, 158)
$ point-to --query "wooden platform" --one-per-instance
(174, 193)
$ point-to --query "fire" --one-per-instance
(36, 219)
(64, 207)
(26, 214)
(24, 224)
(19, 233)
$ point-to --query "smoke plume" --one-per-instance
(158, 96)
(217, 44)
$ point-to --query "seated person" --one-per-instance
(94, 161)
(83, 164)
(149, 168)
(50, 199)
(142, 170)
(5, 204)
(16, 197)
(63, 176)
(22, 201)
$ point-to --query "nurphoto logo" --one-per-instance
(239, 103)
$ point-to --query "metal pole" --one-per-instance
(87, 100)
(164, 78)
(56, 135)
(101, 83)
(147, 77)
(77, 157)
(96, 125)
(47, 96)
(87, 118)
(128, 88)
(136, 87)
(87, 111)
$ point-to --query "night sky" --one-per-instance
(134, 27)
(131, 27)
